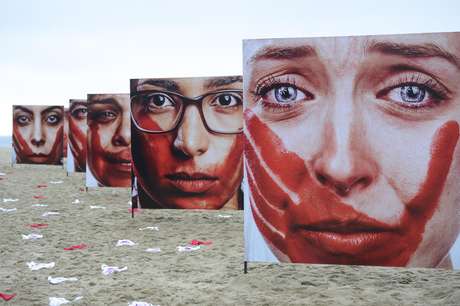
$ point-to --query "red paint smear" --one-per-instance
(76, 247)
(77, 139)
(319, 203)
(23, 149)
(7, 297)
(155, 155)
(200, 242)
(38, 225)
(39, 197)
(103, 170)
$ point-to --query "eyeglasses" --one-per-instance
(163, 111)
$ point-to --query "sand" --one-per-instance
(212, 275)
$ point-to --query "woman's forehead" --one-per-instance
(256, 50)
(38, 108)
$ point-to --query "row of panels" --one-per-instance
(345, 150)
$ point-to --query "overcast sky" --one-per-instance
(51, 51)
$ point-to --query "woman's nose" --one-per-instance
(344, 162)
(192, 137)
(38, 136)
(122, 136)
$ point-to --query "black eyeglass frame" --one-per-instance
(185, 102)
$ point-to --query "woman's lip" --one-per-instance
(191, 182)
(346, 239)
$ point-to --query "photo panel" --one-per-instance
(187, 142)
(76, 159)
(65, 138)
(108, 161)
(38, 133)
(352, 154)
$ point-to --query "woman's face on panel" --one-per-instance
(352, 147)
(38, 133)
(195, 161)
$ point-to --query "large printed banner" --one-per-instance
(352, 150)
(187, 142)
(66, 133)
(76, 160)
(38, 133)
(108, 141)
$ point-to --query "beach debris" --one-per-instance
(223, 216)
(107, 270)
(2, 174)
(200, 242)
(76, 201)
(125, 242)
(56, 301)
(58, 280)
(32, 236)
(188, 248)
(39, 197)
(6, 296)
(38, 225)
(42, 186)
(137, 303)
(9, 200)
(39, 205)
(153, 250)
(134, 210)
(37, 266)
(56, 182)
(50, 213)
(152, 228)
(76, 247)
(7, 209)
(96, 207)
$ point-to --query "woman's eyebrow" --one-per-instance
(413, 51)
(106, 101)
(166, 84)
(76, 103)
(283, 53)
(52, 108)
(22, 108)
(222, 81)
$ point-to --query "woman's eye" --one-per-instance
(409, 94)
(285, 94)
(158, 101)
(105, 116)
(80, 113)
(23, 120)
(52, 119)
(227, 100)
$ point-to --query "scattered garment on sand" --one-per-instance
(125, 242)
(39, 197)
(40, 205)
(38, 225)
(42, 186)
(200, 242)
(7, 209)
(152, 228)
(56, 182)
(153, 250)
(32, 236)
(223, 216)
(37, 266)
(6, 296)
(56, 301)
(76, 201)
(58, 280)
(2, 174)
(188, 248)
(50, 213)
(107, 270)
(96, 207)
(137, 303)
(9, 200)
(76, 247)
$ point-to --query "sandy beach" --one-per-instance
(212, 275)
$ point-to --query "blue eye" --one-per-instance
(412, 93)
(284, 94)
